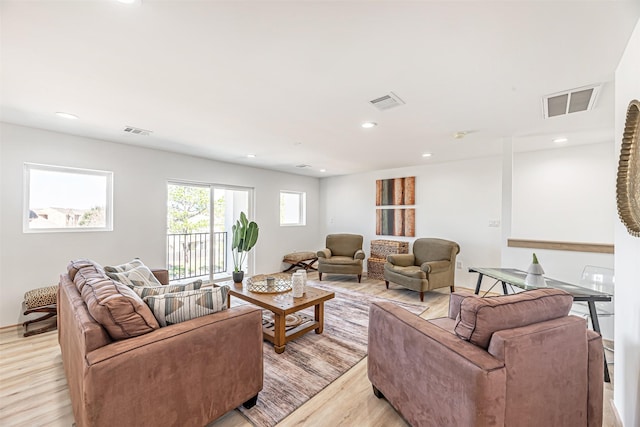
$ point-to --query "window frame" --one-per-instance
(28, 167)
(302, 208)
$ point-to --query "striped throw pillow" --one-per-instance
(145, 291)
(177, 307)
(135, 276)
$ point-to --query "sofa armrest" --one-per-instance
(359, 254)
(408, 356)
(214, 363)
(324, 253)
(162, 274)
(401, 260)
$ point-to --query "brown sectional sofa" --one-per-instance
(187, 374)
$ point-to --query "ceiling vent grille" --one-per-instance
(303, 166)
(387, 102)
(137, 131)
(571, 101)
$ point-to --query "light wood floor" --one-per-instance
(33, 388)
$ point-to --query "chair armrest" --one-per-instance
(435, 266)
(359, 254)
(162, 274)
(324, 253)
(442, 374)
(401, 260)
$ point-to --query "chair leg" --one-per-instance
(359, 277)
(377, 393)
(386, 282)
(421, 296)
(319, 276)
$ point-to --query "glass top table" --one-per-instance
(514, 277)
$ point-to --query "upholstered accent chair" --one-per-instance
(343, 255)
(431, 265)
(514, 360)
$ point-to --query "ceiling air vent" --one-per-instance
(387, 102)
(303, 166)
(137, 131)
(571, 101)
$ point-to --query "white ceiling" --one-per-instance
(290, 81)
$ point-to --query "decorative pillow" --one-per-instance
(481, 317)
(178, 307)
(135, 276)
(117, 308)
(145, 291)
(123, 267)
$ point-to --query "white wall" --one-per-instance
(454, 201)
(140, 185)
(627, 259)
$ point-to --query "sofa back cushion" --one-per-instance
(117, 308)
(481, 317)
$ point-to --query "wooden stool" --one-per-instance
(301, 259)
(41, 300)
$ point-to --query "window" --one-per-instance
(67, 199)
(293, 208)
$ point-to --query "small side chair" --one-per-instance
(431, 265)
(343, 255)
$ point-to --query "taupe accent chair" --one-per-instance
(514, 360)
(431, 265)
(343, 255)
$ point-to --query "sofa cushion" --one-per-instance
(139, 275)
(178, 307)
(123, 267)
(117, 308)
(481, 317)
(145, 291)
(74, 266)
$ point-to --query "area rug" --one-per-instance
(312, 362)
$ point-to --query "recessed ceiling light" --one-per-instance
(560, 140)
(426, 155)
(460, 135)
(368, 125)
(323, 170)
(251, 156)
(66, 115)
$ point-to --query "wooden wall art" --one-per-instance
(396, 222)
(396, 191)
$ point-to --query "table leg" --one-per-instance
(319, 317)
(279, 337)
(504, 288)
(478, 283)
(596, 327)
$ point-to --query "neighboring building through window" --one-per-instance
(59, 198)
(293, 208)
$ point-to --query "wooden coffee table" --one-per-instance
(282, 305)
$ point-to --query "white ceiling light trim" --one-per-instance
(369, 125)
(66, 115)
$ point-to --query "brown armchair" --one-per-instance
(431, 265)
(516, 360)
(343, 255)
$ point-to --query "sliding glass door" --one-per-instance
(199, 221)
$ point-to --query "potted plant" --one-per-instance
(245, 236)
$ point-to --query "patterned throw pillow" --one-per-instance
(135, 276)
(145, 291)
(173, 308)
(123, 267)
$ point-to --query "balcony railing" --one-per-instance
(188, 255)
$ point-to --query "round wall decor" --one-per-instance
(628, 182)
